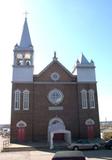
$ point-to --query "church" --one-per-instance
(55, 104)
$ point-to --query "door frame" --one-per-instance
(21, 131)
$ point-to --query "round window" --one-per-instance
(55, 76)
(55, 96)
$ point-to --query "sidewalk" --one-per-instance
(31, 146)
(26, 146)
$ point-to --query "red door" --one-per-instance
(58, 137)
(21, 134)
(90, 131)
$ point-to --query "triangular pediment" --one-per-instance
(55, 67)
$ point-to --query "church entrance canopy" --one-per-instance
(56, 126)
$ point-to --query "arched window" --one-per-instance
(84, 99)
(56, 122)
(17, 99)
(91, 98)
(25, 100)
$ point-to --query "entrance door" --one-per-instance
(90, 123)
(90, 131)
(58, 137)
(21, 134)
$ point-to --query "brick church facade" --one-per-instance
(54, 104)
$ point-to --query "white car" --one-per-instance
(84, 145)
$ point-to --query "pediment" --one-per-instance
(57, 70)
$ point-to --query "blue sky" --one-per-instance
(68, 27)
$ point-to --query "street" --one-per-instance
(45, 155)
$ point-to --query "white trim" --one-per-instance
(55, 76)
(84, 102)
(91, 99)
(26, 99)
(56, 119)
(25, 82)
(87, 82)
(55, 108)
(46, 82)
(55, 96)
(85, 66)
(21, 124)
(21, 66)
(17, 99)
(89, 121)
(56, 125)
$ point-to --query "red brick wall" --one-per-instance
(38, 116)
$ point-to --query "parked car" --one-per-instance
(84, 145)
(69, 155)
(108, 144)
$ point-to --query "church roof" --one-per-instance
(25, 38)
(55, 61)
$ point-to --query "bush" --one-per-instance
(107, 135)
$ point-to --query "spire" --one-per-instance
(25, 38)
(83, 59)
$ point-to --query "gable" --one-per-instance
(55, 68)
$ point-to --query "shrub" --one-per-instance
(107, 134)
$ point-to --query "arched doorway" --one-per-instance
(90, 128)
(57, 130)
(21, 131)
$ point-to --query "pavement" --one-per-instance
(44, 153)
(32, 146)
(26, 155)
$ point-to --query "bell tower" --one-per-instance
(23, 58)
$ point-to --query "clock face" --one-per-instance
(55, 96)
(27, 55)
(19, 56)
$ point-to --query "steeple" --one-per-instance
(23, 57)
(25, 38)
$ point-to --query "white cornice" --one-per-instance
(20, 82)
(55, 83)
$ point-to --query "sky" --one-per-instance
(68, 27)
